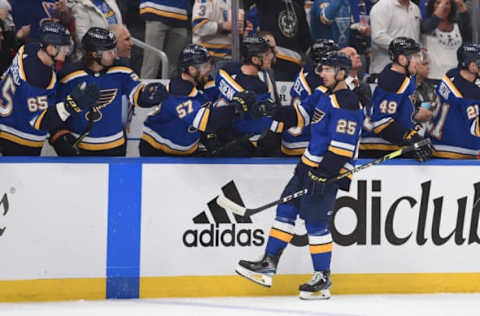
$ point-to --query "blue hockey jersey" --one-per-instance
(107, 131)
(336, 125)
(390, 103)
(229, 81)
(455, 128)
(22, 104)
(175, 126)
(295, 139)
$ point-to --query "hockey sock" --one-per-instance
(280, 235)
(320, 241)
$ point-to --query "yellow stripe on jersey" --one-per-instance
(73, 75)
(304, 82)
(341, 151)
(39, 120)
(283, 236)
(213, 45)
(20, 63)
(334, 100)
(53, 81)
(193, 93)
(140, 88)
(104, 146)
(300, 120)
(292, 152)
(230, 80)
(322, 88)
(380, 128)
(404, 86)
(451, 155)
(343, 170)
(21, 141)
(308, 162)
(164, 13)
(289, 58)
(199, 24)
(121, 69)
(209, 85)
(149, 139)
(452, 87)
(477, 127)
(204, 120)
(316, 249)
(386, 147)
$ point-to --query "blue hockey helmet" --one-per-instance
(192, 55)
(402, 46)
(320, 48)
(338, 60)
(467, 53)
(98, 39)
(53, 33)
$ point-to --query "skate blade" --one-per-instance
(319, 295)
(259, 278)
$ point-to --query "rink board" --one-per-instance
(127, 228)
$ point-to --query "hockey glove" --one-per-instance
(242, 101)
(315, 182)
(82, 97)
(423, 153)
(62, 141)
(262, 108)
(152, 94)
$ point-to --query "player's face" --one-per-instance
(328, 76)
(415, 62)
(267, 60)
(204, 71)
(63, 52)
(108, 57)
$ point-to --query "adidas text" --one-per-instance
(223, 235)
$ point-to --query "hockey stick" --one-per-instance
(243, 211)
(85, 132)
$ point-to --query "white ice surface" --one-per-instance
(340, 305)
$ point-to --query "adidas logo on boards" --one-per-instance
(227, 229)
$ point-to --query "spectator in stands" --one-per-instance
(29, 15)
(124, 42)
(212, 27)
(251, 19)
(93, 13)
(443, 35)
(353, 81)
(391, 19)
(166, 24)
(331, 19)
(287, 21)
(360, 30)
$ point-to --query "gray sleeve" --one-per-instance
(380, 21)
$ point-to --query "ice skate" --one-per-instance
(261, 271)
(318, 288)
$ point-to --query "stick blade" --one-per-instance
(226, 203)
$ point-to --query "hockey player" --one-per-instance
(98, 131)
(455, 132)
(234, 78)
(176, 127)
(27, 105)
(390, 123)
(295, 139)
(336, 122)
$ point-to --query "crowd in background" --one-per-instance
(364, 27)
